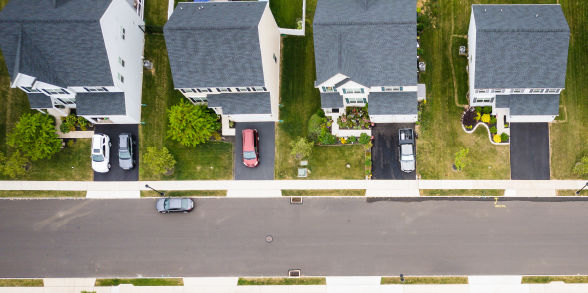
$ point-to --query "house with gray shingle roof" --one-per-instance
(227, 55)
(517, 60)
(365, 52)
(76, 54)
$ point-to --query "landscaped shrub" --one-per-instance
(460, 160)
(301, 148)
(355, 118)
(16, 165)
(35, 137)
(486, 109)
(581, 168)
(83, 123)
(364, 139)
(352, 139)
(493, 129)
(68, 123)
(191, 124)
(497, 138)
(326, 137)
(504, 137)
(158, 161)
(492, 119)
(343, 140)
(469, 118)
(478, 116)
(486, 118)
(315, 124)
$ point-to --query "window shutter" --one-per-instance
(344, 92)
(362, 90)
(347, 100)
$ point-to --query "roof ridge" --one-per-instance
(527, 30)
(365, 23)
(209, 28)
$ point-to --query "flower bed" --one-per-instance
(473, 116)
(354, 118)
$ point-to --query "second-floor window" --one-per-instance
(121, 61)
(552, 91)
(29, 89)
(187, 90)
(122, 33)
(121, 78)
(243, 89)
(223, 89)
(96, 89)
(536, 91)
(518, 91)
(391, 88)
(204, 90)
(56, 91)
(353, 91)
(259, 89)
(328, 89)
(498, 91)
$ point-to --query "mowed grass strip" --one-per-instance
(184, 193)
(41, 193)
(286, 12)
(425, 280)
(462, 192)
(141, 282)
(21, 283)
(324, 192)
(281, 281)
(549, 279)
(571, 192)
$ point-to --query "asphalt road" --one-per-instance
(226, 237)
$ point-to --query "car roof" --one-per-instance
(248, 139)
(96, 141)
(175, 203)
(122, 143)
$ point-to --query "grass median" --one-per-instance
(281, 281)
(140, 282)
(424, 280)
(462, 192)
(549, 279)
(324, 192)
(21, 283)
(184, 193)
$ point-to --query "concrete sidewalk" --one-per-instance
(269, 188)
(478, 284)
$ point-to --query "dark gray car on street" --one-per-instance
(174, 205)
(125, 151)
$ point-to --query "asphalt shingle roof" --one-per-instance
(392, 103)
(215, 44)
(534, 104)
(331, 100)
(102, 103)
(520, 46)
(39, 101)
(373, 42)
(242, 103)
(59, 42)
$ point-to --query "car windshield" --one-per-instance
(124, 154)
(166, 204)
(185, 204)
(249, 155)
(97, 158)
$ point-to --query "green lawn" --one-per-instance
(287, 12)
(141, 282)
(299, 100)
(213, 160)
(424, 280)
(281, 281)
(324, 192)
(549, 279)
(184, 193)
(462, 192)
(41, 193)
(21, 282)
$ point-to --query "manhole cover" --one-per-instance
(269, 238)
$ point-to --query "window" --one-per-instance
(259, 89)
(197, 100)
(66, 101)
(498, 91)
(536, 91)
(187, 90)
(242, 89)
(29, 89)
(481, 91)
(122, 32)
(552, 91)
(353, 91)
(223, 89)
(121, 61)
(518, 91)
(204, 90)
(355, 100)
(56, 91)
(96, 89)
(121, 78)
(391, 89)
(275, 58)
(328, 89)
(483, 100)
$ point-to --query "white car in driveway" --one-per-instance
(101, 153)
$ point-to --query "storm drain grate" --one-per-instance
(295, 273)
(296, 200)
(269, 238)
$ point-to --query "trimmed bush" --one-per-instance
(352, 139)
(492, 119)
(493, 129)
(504, 137)
(301, 148)
(469, 118)
(497, 138)
(326, 137)
(364, 139)
(486, 118)
(315, 125)
(486, 109)
(158, 161)
(460, 160)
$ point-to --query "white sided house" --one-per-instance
(517, 60)
(365, 52)
(76, 54)
(226, 55)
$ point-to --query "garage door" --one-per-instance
(529, 151)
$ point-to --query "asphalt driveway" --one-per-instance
(529, 151)
(267, 146)
(116, 173)
(385, 164)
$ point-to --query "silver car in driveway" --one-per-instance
(174, 205)
(125, 151)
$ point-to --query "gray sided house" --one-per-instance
(366, 52)
(76, 54)
(517, 60)
(226, 55)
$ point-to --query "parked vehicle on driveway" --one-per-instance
(101, 152)
(405, 149)
(250, 147)
(174, 205)
(125, 151)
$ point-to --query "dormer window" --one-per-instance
(328, 89)
(56, 91)
(552, 91)
(122, 32)
(121, 78)
(353, 91)
(518, 91)
(536, 91)
(29, 89)
(121, 61)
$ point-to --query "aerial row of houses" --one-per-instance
(87, 55)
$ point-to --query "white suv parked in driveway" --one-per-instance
(101, 153)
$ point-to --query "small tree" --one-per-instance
(16, 165)
(158, 161)
(301, 148)
(581, 168)
(191, 124)
(461, 158)
(34, 136)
